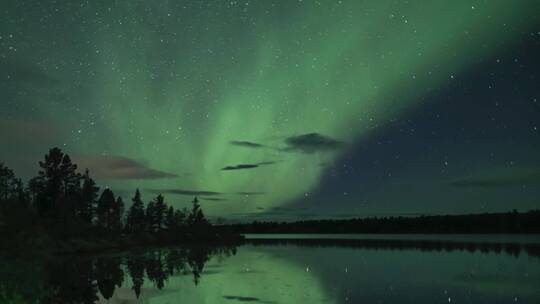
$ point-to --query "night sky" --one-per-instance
(281, 109)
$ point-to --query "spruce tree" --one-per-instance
(180, 217)
(136, 218)
(196, 217)
(159, 213)
(59, 177)
(150, 219)
(70, 179)
(20, 193)
(170, 223)
(117, 212)
(121, 210)
(7, 182)
(36, 189)
(104, 209)
(89, 195)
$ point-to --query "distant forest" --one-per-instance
(510, 222)
(62, 204)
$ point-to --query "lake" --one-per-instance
(307, 269)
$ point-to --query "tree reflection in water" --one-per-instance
(82, 279)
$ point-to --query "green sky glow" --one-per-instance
(170, 85)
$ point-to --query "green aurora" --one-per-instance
(169, 85)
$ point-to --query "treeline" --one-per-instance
(511, 248)
(68, 204)
(510, 222)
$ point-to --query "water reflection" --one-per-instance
(75, 279)
(296, 271)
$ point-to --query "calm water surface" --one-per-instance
(310, 271)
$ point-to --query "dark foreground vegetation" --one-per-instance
(510, 222)
(61, 210)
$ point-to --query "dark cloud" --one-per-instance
(240, 167)
(246, 144)
(28, 131)
(247, 166)
(217, 199)
(247, 299)
(305, 143)
(118, 167)
(185, 192)
(312, 142)
(497, 178)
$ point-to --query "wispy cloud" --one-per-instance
(247, 166)
(27, 131)
(312, 142)
(304, 143)
(216, 199)
(246, 144)
(240, 167)
(247, 299)
(118, 167)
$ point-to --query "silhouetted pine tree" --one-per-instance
(11, 187)
(159, 213)
(117, 212)
(7, 182)
(121, 211)
(105, 208)
(180, 217)
(135, 221)
(89, 195)
(21, 194)
(196, 216)
(59, 179)
(70, 179)
(15, 213)
(170, 223)
(36, 189)
(150, 219)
